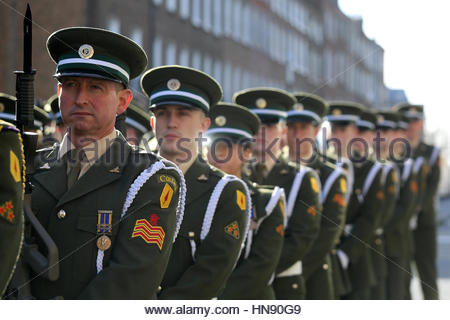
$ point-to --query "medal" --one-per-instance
(104, 243)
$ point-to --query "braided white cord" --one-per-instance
(275, 197)
(294, 190)
(417, 164)
(329, 183)
(212, 204)
(407, 169)
(133, 191)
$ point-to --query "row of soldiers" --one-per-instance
(254, 211)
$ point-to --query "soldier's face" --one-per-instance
(269, 138)
(414, 131)
(343, 133)
(89, 106)
(301, 138)
(228, 156)
(177, 129)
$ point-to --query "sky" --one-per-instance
(415, 35)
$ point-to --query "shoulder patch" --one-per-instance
(314, 184)
(339, 199)
(240, 200)
(14, 167)
(312, 211)
(166, 196)
(164, 178)
(343, 185)
(149, 233)
(7, 211)
(280, 230)
(233, 230)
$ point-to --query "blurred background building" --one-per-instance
(304, 45)
(307, 45)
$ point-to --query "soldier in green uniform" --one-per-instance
(425, 228)
(103, 203)
(137, 124)
(216, 214)
(396, 230)
(301, 185)
(8, 113)
(384, 123)
(364, 203)
(230, 137)
(12, 167)
(304, 123)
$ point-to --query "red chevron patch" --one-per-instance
(149, 233)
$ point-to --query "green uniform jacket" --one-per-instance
(427, 216)
(425, 235)
(205, 275)
(390, 183)
(397, 228)
(304, 224)
(316, 262)
(363, 217)
(252, 276)
(11, 200)
(134, 265)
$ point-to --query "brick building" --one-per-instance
(307, 45)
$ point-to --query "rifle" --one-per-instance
(30, 258)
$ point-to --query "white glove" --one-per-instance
(413, 222)
(343, 258)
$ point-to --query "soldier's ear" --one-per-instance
(206, 122)
(124, 96)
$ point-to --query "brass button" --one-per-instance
(325, 266)
(159, 289)
(61, 214)
(333, 251)
(191, 234)
(378, 242)
(294, 286)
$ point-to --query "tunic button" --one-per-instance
(378, 242)
(294, 286)
(61, 214)
(325, 266)
(333, 251)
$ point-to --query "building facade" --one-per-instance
(297, 45)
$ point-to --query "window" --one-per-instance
(207, 15)
(171, 53)
(236, 86)
(171, 5)
(228, 21)
(217, 71)
(217, 13)
(196, 13)
(184, 57)
(114, 25)
(197, 60)
(227, 91)
(207, 64)
(157, 52)
(237, 11)
(246, 24)
(137, 36)
(184, 9)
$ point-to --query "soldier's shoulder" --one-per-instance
(7, 127)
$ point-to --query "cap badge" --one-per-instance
(337, 112)
(380, 118)
(86, 51)
(298, 107)
(173, 84)
(413, 110)
(261, 103)
(220, 121)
